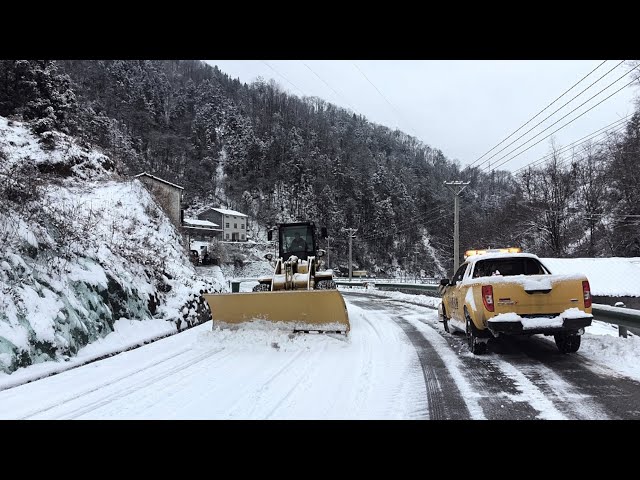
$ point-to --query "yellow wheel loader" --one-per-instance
(298, 296)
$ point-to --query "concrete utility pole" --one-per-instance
(456, 187)
(352, 233)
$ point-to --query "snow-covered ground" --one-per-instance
(374, 373)
(240, 374)
(616, 277)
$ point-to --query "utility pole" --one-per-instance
(456, 187)
(328, 250)
(352, 233)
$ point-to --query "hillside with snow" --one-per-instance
(81, 249)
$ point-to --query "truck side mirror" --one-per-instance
(269, 235)
(444, 282)
(323, 232)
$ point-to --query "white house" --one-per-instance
(233, 224)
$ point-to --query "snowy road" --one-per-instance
(397, 364)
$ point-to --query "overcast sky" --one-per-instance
(464, 108)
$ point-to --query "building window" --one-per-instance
(242, 236)
(235, 225)
(242, 226)
(226, 236)
(226, 225)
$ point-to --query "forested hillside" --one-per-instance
(275, 156)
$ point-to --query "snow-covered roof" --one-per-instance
(224, 211)
(158, 179)
(200, 223)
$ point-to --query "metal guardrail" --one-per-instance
(419, 288)
(622, 317)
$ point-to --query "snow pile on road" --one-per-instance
(78, 252)
(258, 336)
(620, 354)
(607, 276)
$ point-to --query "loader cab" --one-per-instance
(297, 239)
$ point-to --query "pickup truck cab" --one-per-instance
(494, 294)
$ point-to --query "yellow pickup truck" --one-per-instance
(505, 293)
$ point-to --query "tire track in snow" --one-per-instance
(102, 385)
(297, 383)
(500, 395)
(443, 397)
(592, 391)
(509, 393)
(277, 375)
(87, 407)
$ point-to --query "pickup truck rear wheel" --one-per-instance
(567, 343)
(475, 345)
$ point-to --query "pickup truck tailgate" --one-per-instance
(537, 294)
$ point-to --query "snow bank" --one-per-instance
(607, 276)
(82, 254)
(620, 354)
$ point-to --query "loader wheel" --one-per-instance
(325, 285)
(262, 287)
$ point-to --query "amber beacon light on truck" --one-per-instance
(470, 253)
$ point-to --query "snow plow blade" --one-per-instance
(294, 310)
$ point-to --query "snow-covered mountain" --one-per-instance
(80, 249)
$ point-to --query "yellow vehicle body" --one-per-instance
(485, 304)
(299, 296)
(294, 310)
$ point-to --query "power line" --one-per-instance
(557, 110)
(582, 140)
(385, 98)
(339, 96)
(532, 118)
(568, 123)
(409, 224)
(278, 73)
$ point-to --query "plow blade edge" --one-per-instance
(296, 310)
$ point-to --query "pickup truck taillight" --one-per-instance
(586, 291)
(487, 297)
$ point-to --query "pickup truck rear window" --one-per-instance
(509, 266)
